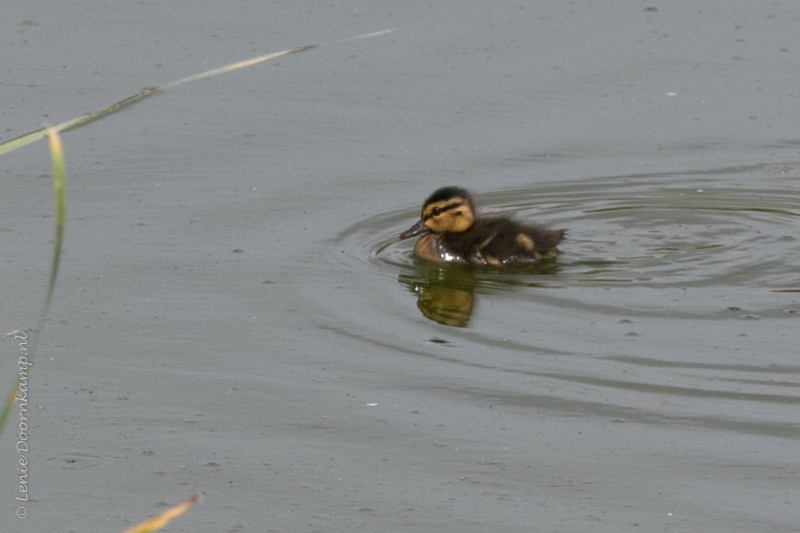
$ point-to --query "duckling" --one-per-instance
(452, 232)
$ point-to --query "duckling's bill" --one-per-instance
(417, 229)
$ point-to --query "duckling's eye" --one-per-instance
(437, 211)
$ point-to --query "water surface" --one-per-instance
(233, 318)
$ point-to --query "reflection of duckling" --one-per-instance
(444, 295)
(452, 232)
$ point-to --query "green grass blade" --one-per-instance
(28, 138)
(236, 66)
(31, 137)
(60, 207)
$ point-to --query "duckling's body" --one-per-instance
(452, 232)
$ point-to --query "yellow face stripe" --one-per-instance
(436, 209)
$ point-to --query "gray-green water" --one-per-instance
(233, 318)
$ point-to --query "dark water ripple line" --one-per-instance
(673, 390)
(625, 414)
(351, 334)
(703, 208)
(73, 461)
(658, 363)
(761, 383)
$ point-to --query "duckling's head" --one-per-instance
(447, 210)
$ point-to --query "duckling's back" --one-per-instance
(514, 242)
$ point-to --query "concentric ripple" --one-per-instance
(649, 230)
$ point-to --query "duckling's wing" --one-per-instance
(515, 241)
